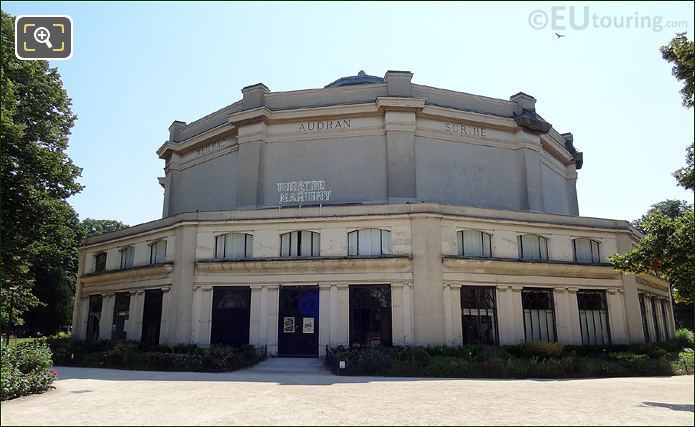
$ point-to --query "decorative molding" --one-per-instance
(146, 272)
(528, 268)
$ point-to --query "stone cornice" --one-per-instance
(145, 272)
(384, 263)
(652, 281)
(514, 267)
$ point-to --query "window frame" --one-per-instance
(586, 339)
(520, 247)
(591, 248)
(383, 234)
(493, 297)
(153, 255)
(461, 246)
(248, 240)
(551, 299)
(127, 252)
(100, 266)
(297, 235)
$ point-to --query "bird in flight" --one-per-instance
(559, 35)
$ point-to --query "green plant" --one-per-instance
(26, 369)
(656, 352)
(684, 338)
(541, 350)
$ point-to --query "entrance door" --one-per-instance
(298, 332)
(152, 316)
(231, 315)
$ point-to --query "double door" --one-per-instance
(298, 329)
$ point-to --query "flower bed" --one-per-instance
(148, 357)
(528, 360)
(26, 369)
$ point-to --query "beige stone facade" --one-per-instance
(424, 169)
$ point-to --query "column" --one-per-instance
(167, 330)
(448, 327)
(505, 316)
(573, 305)
(272, 321)
(400, 155)
(408, 327)
(204, 316)
(179, 318)
(518, 315)
(457, 328)
(255, 322)
(343, 337)
(134, 323)
(325, 315)
(264, 316)
(333, 324)
(80, 313)
(106, 321)
(428, 292)
(616, 316)
(631, 297)
(397, 314)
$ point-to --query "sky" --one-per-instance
(137, 67)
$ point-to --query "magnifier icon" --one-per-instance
(42, 35)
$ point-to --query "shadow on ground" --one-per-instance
(685, 407)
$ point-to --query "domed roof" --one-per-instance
(361, 78)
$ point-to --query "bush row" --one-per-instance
(533, 359)
(26, 369)
(149, 357)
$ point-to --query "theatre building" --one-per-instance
(373, 211)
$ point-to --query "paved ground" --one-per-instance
(299, 391)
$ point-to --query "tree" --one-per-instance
(681, 53)
(94, 227)
(686, 175)
(38, 225)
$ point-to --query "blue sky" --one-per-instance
(137, 67)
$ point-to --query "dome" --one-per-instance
(361, 78)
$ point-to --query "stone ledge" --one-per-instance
(385, 263)
(143, 272)
(512, 266)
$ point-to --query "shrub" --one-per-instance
(683, 339)
(656, 352)
(26, 369)
(541, 350)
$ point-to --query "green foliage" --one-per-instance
(39, 228)
(667, 249)
(95, 227)
(683, 339)
(686, 175)
(531, 360)
(141, 356)
(681, 53)
(26, 369)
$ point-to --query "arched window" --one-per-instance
(127, 256)
(234, 246)
(158, 251)
(586, 250)
(532, 247)
(474, 243)
(300, 243)
(100, 262)
(369, 241)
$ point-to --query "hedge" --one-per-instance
(26, 369)
(149, 357)
(528, 360)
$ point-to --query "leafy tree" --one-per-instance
(667, 249)
(681, 52)
(686, 175)
(39, 230)
(94, 227)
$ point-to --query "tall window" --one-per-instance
(158, 251)
(474, 243)
(152, 316)
(586, 250)
(593, 317)
(370, 241)
(231, 314)
(532, 247)
(370, 315)
(121, 310)
(100, 262)
(127, 256)
(539, 314)
(645, 325)
(478, 315)
(655, 318)
(300, 243)
(93, 318)
(234, 246)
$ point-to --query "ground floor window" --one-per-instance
(152, 316)
(93, 318)
(478, 315)
(655, 318)
(539, 314)
(370, 315)
(593, 317)
(643, 310)
(664, 316)
(121, 310)
(231, 315)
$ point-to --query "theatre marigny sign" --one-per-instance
(301, 192)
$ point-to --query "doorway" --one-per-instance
(298, 331)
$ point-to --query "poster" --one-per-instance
(288, 325)
(308, 325)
